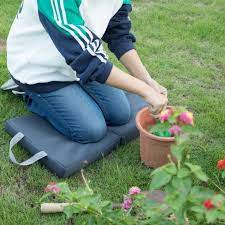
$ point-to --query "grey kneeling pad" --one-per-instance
(59, 154)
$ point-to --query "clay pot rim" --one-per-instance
(146, 133)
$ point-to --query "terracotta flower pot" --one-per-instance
(154, 150)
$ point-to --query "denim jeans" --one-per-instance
(81, 113)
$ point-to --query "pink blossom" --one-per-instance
(221, 164)
(52, 187)
(208, 204)
(165, 114)
(134, 190)
(175, 130)
(187, 118)
(127, 203)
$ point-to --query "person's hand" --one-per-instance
(156, 86)
(157, 102)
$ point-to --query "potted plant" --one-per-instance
(158, 134)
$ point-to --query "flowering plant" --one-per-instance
(85, 201)
(172, 121)
(221, 167)
(184, 202)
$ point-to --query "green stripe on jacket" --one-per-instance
(62, 16)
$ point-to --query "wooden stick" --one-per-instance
(157, 196)
(53, 207)
(59, 207)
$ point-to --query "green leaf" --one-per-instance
(160, 179)
(181, 139)
(84, 191)
(198, 209)
(71, 210)
(157, 170)
(172, 119)
(139, 196)
(197, 170)
(177, 151)
(221, 216)
(218, 198)
(104, 204)
(199, 194)
(166, 134)
(223, 174)
(188, 129)
(211, 216)
(64, 188)
(182, 185)
(158, 133)
(91, 220)
(86, 201)
(171, 168)
(183, 172)
(160, 127)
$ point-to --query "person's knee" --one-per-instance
(122, 115)
(93, 133)
(96, 132)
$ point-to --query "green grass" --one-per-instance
(182, 43)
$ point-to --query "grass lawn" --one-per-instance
(183, 44)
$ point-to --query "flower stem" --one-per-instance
(85, 181)
(223, 191)
(170, 159)
(178, 164)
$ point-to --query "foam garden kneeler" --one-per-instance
(59, 154)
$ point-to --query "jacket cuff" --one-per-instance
(122, 48)
(106, 72)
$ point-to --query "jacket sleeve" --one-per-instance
(81, 48)
(118, 36)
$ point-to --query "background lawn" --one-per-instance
(183, 44)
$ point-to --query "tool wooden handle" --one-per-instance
(59, 207)
(53, 207)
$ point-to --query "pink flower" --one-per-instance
(52, 187)
(221, 164)
(186, 118)
(175, 130)
(208, 204)
(134, 190)
(127, 203)
(165, 114)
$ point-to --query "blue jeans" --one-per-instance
(81, 113)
